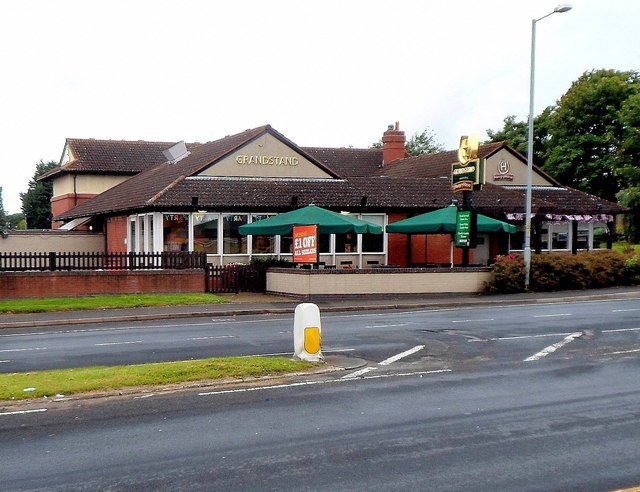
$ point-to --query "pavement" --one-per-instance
(254, 304)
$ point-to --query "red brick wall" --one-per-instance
(69, 284)
(62, 203)
(116, 229)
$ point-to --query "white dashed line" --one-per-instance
(116, 343)
(23, 412)
(401, 355)
(552, 315)
(24, 349)
(359, 373)
(623, 352)
(472, 320)
(619, 330)
(624, 310)
(212, 338)
(552, 348)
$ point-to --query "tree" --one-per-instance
(588, 130)
(418, 144)
(36, 202)
(516, 134)
(423, 143)
(3, 216)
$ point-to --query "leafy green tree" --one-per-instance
(3, 216)
(16, 221)
(588, 130)
(423, 143)
(630, 197)
(36, 202)
(516, 134)
(419, 144)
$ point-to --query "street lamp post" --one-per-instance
(565, 7)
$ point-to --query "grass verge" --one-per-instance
(71, 381)
(102, 302)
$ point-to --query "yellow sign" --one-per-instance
(312, 340)
(468, 148)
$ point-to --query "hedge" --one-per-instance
(562, 271)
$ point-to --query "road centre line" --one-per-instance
(552, 348)
(401, 355)
(387, 326)
(623, 352)
(624, 310)
(472, 320)
(3, 361)
(312, 383)
(213, 337)
(552, 315)
(523, 337)
(619, 330)
(21, 412)
(23, 349)
(116, 343)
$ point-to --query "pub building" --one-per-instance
(167, 196)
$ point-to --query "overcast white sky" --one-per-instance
(332, 73)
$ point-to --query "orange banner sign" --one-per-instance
(305, 244)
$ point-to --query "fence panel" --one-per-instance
(25, 262)
(236, 278)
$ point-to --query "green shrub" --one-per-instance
(606, 267)
(270, 261)
(507, 276)
(563, 271)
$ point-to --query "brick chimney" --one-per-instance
(393, 141)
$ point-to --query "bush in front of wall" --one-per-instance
(564, 271)
(507, 276)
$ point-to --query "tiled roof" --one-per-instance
(349, 162)
(357, 186)
(112, 156)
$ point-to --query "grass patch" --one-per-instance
(102, 302)
(70, 381)
(624, 247)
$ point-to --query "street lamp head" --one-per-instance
(563, 7)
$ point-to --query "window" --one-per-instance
(373, 243)
(233, 242)
(583, 236)
(205, 233)
(347, 243)
(175, 232)
(600, 235)
(560, 236)
(262, 244)
(516, 240)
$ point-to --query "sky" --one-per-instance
(335, 73)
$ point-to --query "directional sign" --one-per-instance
(466, 229)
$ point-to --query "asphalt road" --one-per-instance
(520, 398)
(453, 337)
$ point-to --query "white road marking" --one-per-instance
(552, 315)
(213, 337)
(387, 326)
(620, 330)
(117, 343)
(23, 349)
(23, 412)
(522, 337)
(359, 373)
(624, 310)
(552, 348)
(143, 396)
(311, 383)
(472, 320)
(3, 361)
(623, 352)
(401, 355)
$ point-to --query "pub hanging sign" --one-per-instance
(468, 173)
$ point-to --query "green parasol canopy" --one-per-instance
(328, 222)
(444, 220)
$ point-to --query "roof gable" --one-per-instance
(270, 155)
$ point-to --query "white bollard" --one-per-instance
(307, 333)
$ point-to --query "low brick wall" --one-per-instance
(319, 284)
(69, 284)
